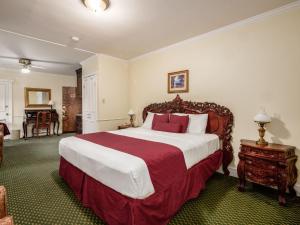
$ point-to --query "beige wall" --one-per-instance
(35, 80)
(113, 83)
(244, 68)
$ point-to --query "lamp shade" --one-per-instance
(262, 117)
(51, 102)
(131, 112)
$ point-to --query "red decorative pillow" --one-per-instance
(168, 127)
(182, 120)
(160, 118)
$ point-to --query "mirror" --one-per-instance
(37, 97)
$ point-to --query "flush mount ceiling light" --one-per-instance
(26, 65)
(96, 5)
(25, 69)
(76, 39)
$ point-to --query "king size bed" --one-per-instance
(142, 176)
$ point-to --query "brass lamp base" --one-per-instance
(131, 121)
(261, 131)
(262, 142)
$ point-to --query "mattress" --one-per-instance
(128, 174)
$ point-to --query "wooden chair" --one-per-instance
(4, 218)
(43, 121)
(1, 142)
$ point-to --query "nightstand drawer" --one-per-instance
(261, 172)
(261, 177)
(260, 164)
(261, 153)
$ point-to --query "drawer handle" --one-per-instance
(249, 173)
(249, 162)
(271, 179)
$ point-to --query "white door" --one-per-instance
(89, 103)
(6, 102)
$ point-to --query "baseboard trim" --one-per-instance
(233, 173)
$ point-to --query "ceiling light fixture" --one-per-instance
(76, 39)
(26, 65)
(96, 5)
(25, 69)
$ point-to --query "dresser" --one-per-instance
(272, 165)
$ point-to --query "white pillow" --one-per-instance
(197, 123)
(149, 119)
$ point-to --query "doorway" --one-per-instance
(70, 109)
(6, 102)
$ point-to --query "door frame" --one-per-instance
(10, 103)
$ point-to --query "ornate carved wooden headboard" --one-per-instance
(220, 120)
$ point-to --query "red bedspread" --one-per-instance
(157, 209)
(163, 161)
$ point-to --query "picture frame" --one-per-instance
(178, 82)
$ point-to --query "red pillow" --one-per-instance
(160, 118)
(168, 127)
(182, 120)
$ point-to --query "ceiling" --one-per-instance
(53, 58)
(129, 28)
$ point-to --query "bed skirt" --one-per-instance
(157, 209)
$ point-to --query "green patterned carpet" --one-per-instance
(37, 195)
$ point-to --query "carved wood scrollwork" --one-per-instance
(220, 120)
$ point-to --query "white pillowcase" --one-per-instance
(149, 119)
(197, 123)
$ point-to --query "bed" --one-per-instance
(110, 174)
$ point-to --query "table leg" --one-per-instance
(292, 190)
(58, 123)
(25, 130)
(241, 174)
(281, 193)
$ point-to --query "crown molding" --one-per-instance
(259, 17)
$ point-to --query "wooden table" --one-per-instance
(30, 118)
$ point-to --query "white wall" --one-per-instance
(113, 84)
(244, 68)
(54, 82)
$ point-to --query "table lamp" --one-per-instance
(131, 114)
(261, 119)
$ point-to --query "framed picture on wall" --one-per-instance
(178, 82)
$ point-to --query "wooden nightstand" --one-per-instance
(271, 165)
